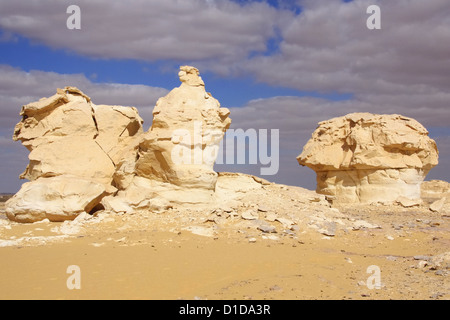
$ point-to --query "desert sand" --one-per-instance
(218, 254)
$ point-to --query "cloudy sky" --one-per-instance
(277, 64)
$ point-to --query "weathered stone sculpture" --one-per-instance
(364, 157)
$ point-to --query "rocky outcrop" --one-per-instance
(363, 157)
(101, 153)
(437, 194)
(175, 158)
(57, 199)
(74, 144)
(435, 189)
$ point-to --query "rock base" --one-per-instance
(370, 186)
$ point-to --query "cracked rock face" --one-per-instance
(72, 143)
(364, 157)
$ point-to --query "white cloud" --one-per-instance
(148, 29)
(328, 48)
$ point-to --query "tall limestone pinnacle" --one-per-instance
(365, 157)
(182, 144)
(175, 158)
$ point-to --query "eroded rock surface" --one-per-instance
(364, 157)
(56, 198)
(182, 144)
(175, 158)
(73, 144)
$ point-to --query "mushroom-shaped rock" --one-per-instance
(364, 157)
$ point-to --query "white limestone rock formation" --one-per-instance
(182, 144)
(57, 198)
(175, 158)
(73, 143)
(366, 158)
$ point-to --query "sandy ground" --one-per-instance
(153, 256)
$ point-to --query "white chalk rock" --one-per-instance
(55, 198)
(364, 157)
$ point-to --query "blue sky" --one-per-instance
(310, 59)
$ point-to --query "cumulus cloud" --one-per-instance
(325, 48)
(328, 48)
(148, 29)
